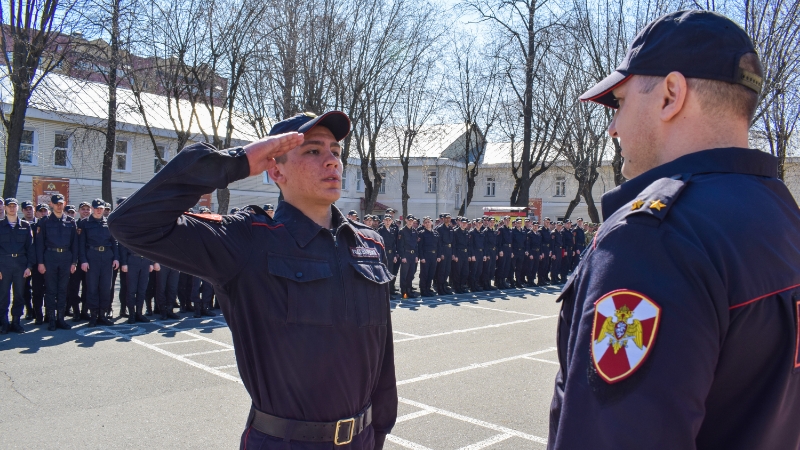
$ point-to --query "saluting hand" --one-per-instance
(261, 154)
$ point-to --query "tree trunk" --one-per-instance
(224, 199)
(15, 126)
(111, 126)
(404, 188)
(616, 163)
(594, 216)
(574, 202)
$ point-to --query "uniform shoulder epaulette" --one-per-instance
(658, 198)
(206, 217)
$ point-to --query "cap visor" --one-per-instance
(336, 121)
(601, 92)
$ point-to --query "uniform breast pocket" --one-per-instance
(371, 292)
(310, 295)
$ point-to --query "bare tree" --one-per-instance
(476, 100)
(34, 30)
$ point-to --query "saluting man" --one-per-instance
(669, 336)
(306, 293)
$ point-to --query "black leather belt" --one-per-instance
(390, 251)
(464, 250)
(102, 248)
(57, 250)
(411, 251)
(340, 432)
(449, 245)
(507, 245)
(12, 255)
(432, 251)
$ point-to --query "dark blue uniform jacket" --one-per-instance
(308, 309)
(722, 369)
(17, 241)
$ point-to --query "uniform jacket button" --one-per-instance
(299, 274)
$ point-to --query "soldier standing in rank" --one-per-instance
(535, 253)
(27, 215)
(407, 246)
(76, 298)
(460, 269)
(477, 255)
(37, 278)
(580, 241)
(396, 269)
(490, 252)
(389, 235)
(17, 257)
(428, 256)
(443, 269)
(504, 260)
(519, 253)
(547, 252)
(166, 291)
(99, 257)
(202, 297)
(57, 255)
(568, 241)
(557, 248)
(136, 269)
(123, 280)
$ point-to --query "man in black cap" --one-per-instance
(36, 278)
(270, 210)
(99, 257)
(305, 293)
(490, 251)
(557, 249)
(460, 268)
(408, 251)
(57, 255)
(16, 261)
(477, 256)
(443, 269)
(123, 280)
(352, 215)
(504, 243)
(389, 235)
(26, 209)
(76, 297)
(667, 322)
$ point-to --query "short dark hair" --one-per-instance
(719, 97)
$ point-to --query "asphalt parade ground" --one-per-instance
(474, 371)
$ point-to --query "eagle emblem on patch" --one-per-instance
(364, 252)
(623, 333)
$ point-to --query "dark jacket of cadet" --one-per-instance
(55, 233)
(408, 244)
(460, 243)
(389, 240)
(308, 309)
(18, 241)
(428, 245)
(94, 233)
(477, 244)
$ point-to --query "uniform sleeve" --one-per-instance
(41, 233)
(82, 243)
(115, 249)
(664, 397)
(30, 249)
(151, 222)
(73, 244)
(384, 399)
(123, 255)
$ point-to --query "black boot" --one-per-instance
(140, 317)
(76, 316)
(131, 315)
(61, 324)
(4, 325)
(85, 315)
(208, 313)
(15, 326)
(51, 318)
(29, 314)
(166, 313)
(93, 319)
(198, 310)
(102, 319)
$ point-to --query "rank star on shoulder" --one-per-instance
(657, 205)
(636, 205)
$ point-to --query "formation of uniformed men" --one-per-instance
(65, 260)
(462, 255)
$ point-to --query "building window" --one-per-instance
(561, 187)
(27, 147)
(359, 185)
(267, 179)
(158, 165)
(384, 180)
(122, 160)
(431, 186)
(344, 180)
(61, 153)
(458, 196)
(490, 185)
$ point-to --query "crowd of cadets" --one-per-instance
(461, 255)
(66, 260)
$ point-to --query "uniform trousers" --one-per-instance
(56, 279)
(34, 293)
(185, 291)
(427, 270)
(74, 294)
(99, 289)
(475, 272)
(532, 267)
(544, 267)
(123, 288)
(488, 269)
(503, 265)
(392, 266)
(444, 267)
(519, 262)
(202, 292)
(407, 270)
(460, 269)
(137, 276)
(12, 270)
(555, 265)
(166, 287)
(566, 263)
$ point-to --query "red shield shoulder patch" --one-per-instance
(623, 333)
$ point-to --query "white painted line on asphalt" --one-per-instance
(203, 338)
(180, 358)
(472, 366)
(414, 415)
(208, 352)
(474, 329)
(229, 366)
(543, 360)
(405, 334)
(503, 310)
(485, 443)
(177, 342)
(404, 443)
(478, 422)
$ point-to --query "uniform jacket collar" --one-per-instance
(303, 229)
(719, 160)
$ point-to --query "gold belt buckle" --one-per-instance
(101, 249)
(59, 250)
(352, 422)
(14, 255)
